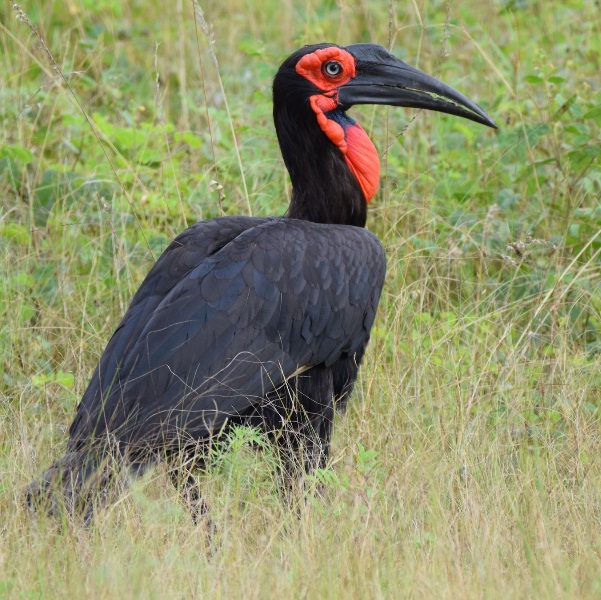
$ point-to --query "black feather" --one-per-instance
(242, 320)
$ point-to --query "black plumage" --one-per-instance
(206, 338)
(260, 321)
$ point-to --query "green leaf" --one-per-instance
(534, 79)
(189, 138)
(15, 233)
(60, 377)
(22, 279)
(594, 114)
(17, 153)
(583, 156)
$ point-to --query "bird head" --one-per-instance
(325, 80)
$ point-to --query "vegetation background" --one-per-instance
(468, 463)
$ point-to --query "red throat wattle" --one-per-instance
(358, 150)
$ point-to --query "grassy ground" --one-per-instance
(468, 462)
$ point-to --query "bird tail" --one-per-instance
(76, 482)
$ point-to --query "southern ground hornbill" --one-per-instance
(260, 321)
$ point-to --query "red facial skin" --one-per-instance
(358, 150)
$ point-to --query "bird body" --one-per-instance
(232, 310)
(260, 321)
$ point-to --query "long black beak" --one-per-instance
(384, 79)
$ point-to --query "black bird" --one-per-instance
(260, 321)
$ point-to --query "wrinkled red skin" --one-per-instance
(359, 152)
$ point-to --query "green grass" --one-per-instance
(468, 462)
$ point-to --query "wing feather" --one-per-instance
(240, 313)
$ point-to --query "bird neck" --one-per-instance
(324, 190)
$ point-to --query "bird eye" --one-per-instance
(332, 68)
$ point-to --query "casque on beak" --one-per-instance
(384, 79)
